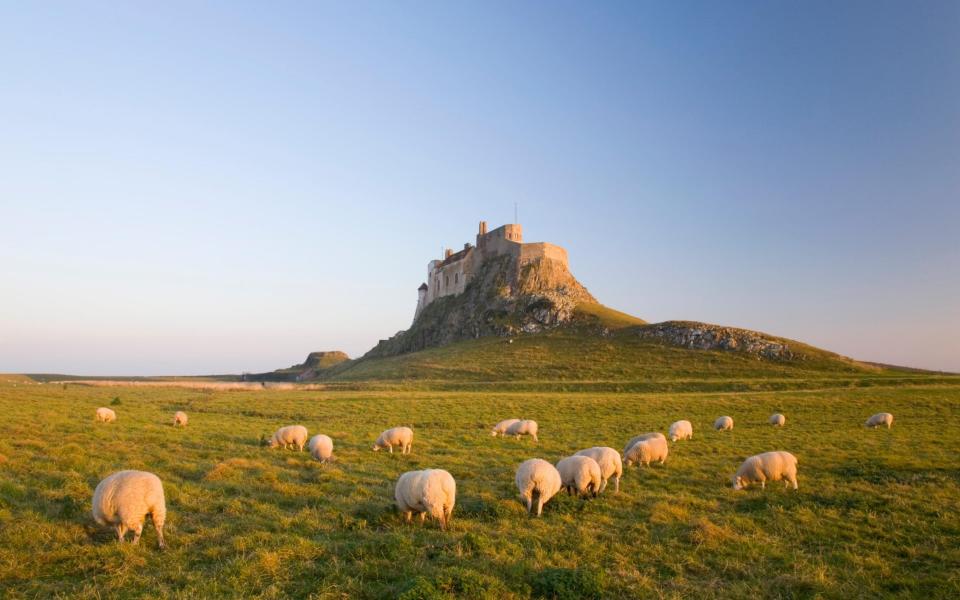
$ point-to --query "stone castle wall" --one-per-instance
(451, 275)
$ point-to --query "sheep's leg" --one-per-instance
(391, 448)
(160, 541)
(137, 530)
(407, 515)
(535, 440)
(423, 518)
(763, 485)
(603, 485)
(539, 505)
(616, 484)
(121, 531)
(793, 480)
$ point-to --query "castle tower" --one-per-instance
(421, 300)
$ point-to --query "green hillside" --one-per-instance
(621, 361)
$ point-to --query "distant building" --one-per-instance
(449, 276)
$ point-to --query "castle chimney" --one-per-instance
(448, 253)
(483, 227)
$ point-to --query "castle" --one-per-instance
(450, 276)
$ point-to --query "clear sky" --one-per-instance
(211, 187)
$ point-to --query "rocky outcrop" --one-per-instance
(323, 360)
(313, 367)
(504, 298)
(703, 336)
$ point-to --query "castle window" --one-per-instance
(446, 280)
(456, 277)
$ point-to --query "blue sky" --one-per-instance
(225, 186)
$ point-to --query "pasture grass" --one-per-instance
(877, 513)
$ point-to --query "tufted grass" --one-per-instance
(877, 514)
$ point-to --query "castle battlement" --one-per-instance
(450, 275)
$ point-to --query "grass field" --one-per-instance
(877, 513)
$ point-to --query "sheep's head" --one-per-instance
(674, 437)
(738, 483)
(376, 448)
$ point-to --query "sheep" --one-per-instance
(723, 424)
(777, 420)
(321, 447)
(769, 466)
(580, 475)
(501, 427)
(525, 427)
(180, 418)
(642, 437)
(125, 498)
(645, 452)
(106, 415)
(538, 481)
(397, 436)
(610, 465)
(430, 492)
(289, 436)
(681, 430)
(880, 419)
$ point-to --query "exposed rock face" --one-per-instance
(504, 299)
(702, 336)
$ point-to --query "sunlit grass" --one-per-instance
(877, 511)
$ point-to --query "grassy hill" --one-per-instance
(580, 357)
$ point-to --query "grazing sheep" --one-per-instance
(289, 436)
(610, 465)
(321, 447)
(777, 420)
(580, 475)
(525, 427)
(106, 415)
(723, 424)
(125, 498)
(880, 419)
(769, 466)
(538, 481)
(397, 436)
(501, 427)
(180, 419)
(681, 430)
(642, 437)
(645, 452)
(429, 492)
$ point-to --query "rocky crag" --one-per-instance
(703, 336)
(504, 298)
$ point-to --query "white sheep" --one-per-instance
(642, 437)
(880, 419)
(397, 436)
(430, 492)
(321, 447)
(525, 427)
(180, 419)
(777, 420)
(723, 424)
(106, 415)
(681, 430)
(580, 475)
(769, 466)
(647, 451)
(289, 436)
(610, 465)
(501, 427)
(538, 481)
(125, 498)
